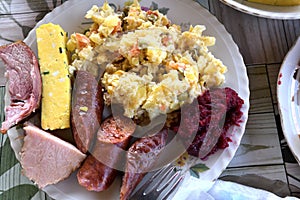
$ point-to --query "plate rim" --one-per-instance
(260, 12)
(238, 63)
(285, 124)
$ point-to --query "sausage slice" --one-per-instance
(141, 158)
(101, 168)
(87, 108)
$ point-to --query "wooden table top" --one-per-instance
(263, 44)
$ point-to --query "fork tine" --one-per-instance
(142, 189)
(165, 170)
(165, 173)
(173, 187)
(164, 185)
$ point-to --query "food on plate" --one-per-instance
(94, 175)
(135, 59)
(87, 107)
(101, 167)
(24, 82)
(151, 66)
(141, 158)
(278, 2)
(46, 159)
(219, 109)
(53, 60)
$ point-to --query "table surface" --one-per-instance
(263, 44)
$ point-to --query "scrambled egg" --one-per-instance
(150, 66)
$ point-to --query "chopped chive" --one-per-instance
(46, 72)
(85, 31)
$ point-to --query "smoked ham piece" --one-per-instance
(46, 159)
(141, 159)
(24, 82)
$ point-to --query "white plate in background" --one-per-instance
(267, 11)
(288, 95)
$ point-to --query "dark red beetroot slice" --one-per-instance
(87, 108)
(25, 84)
(220, 108)
(100, 169)
(141, 158)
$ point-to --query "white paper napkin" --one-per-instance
(194, 189)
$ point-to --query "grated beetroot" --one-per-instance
(219, 109)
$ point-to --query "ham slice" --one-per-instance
(24, 81)
(46, 159)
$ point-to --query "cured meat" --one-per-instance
(24, 81)
(100, 169)
(141, 158)
(46, 159)
(87, 108)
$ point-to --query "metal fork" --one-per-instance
(161, 185)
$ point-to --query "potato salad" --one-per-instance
(147, 64)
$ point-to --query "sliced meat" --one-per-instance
(24, 82)
(100, 169)
(87, 108)
(95, 176)
(46, 159)
(141, 158)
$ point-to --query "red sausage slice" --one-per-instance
(87, 108)
(100, 169)
(141, 158)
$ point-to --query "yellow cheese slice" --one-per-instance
(278, 2)
(53, 60)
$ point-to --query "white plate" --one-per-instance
(288, 95)
(267, 11)
(71, 15)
